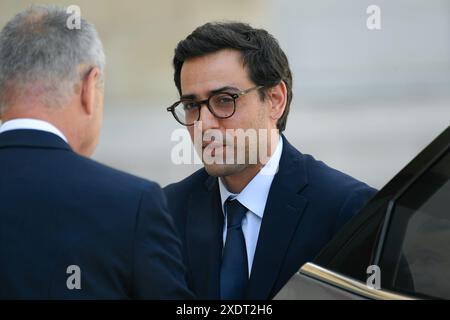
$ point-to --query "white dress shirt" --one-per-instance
(31, 124)
(254, 198)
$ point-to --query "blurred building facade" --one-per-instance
(364, 102)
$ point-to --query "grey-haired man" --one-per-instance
(71, 228)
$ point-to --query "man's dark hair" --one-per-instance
(266, 62)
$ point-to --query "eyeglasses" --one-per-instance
(222, 105)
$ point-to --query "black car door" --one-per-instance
(397, 247)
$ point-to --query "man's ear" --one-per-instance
(278, 97)
(89, 90)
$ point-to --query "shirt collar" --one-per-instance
(254, 196)
(33, 124)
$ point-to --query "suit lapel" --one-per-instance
(282, 216)
(204, 239)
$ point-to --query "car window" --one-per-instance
(357, 253)
(415, 258)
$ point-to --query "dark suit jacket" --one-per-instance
(307, 204)
(59, 209)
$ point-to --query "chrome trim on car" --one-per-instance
(348, 284)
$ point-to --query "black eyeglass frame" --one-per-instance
(234, 96)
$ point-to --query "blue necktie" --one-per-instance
(234, 269)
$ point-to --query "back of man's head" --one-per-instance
(40, 54)
(43, 62)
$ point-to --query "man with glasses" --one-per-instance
(247, 226)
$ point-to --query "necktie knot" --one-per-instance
(235, 213)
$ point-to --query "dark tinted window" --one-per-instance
(416, 254)
(357, 253)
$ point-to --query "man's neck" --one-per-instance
(29, 123)
(54, 119)
(237, 182)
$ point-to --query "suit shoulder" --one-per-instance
(178, 194)
(111, 178)
(324, 176)
(341, 196)
(187, 184)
